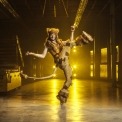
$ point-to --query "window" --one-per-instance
(104, 55)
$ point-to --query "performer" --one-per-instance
(60, 51)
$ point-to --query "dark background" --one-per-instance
(29, 19)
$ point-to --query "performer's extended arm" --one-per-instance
(39, 55)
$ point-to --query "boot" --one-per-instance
(87, 36)
(62, 96)
(84, 38)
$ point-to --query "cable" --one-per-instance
(44, 7)
(65, 8)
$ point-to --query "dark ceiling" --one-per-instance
(35, 10)
(31, 14)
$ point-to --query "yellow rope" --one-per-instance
(80, 11)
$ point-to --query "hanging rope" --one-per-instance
(20, 51)
(78, 17)
(80, 11)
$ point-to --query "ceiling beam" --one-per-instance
(9, 8)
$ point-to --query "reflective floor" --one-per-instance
(89, 101)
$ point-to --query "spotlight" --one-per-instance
(74, 74)
(74, 50)
(74, 67)
(54, 67)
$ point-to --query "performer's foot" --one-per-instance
(87, 36)
(62, 96)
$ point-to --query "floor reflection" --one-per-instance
(88, 100)
(62, 113)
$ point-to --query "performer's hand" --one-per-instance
(73, 28)
(28, 53)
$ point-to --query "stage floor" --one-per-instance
(89, 101)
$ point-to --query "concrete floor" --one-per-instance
(89, 101)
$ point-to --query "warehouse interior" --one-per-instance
(97, 67)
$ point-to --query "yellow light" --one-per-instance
(91, 70)
(117, 53)
(75, 75)
(75, 66)
(76, 101)
(74, 47)
(91, 52)
(104, 55)
(74, 50)
(92, 56)
(103, 71)
(116, 72)
(54, 67)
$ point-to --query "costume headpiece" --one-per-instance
(52, 30)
